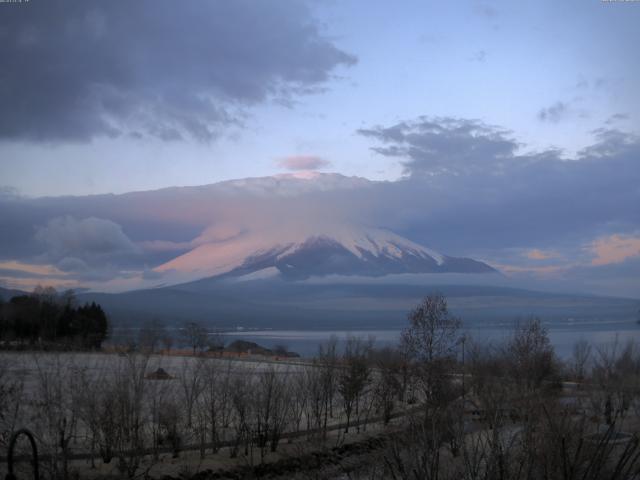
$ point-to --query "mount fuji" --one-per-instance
(299, 252)
(295, 250)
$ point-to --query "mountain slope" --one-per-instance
(304, 251)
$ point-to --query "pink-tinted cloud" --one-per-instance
(537, 254)
(303, 162)
(29, 268)
(614, 249)
(164, 246)
(16, 274)
(29, 284)
(547, 270)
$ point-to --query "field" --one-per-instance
(102, 415)
(356, 413)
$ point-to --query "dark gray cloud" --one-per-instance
(554, 113)
(68, 236)
(468, 185)
(617, 117)
(612, 143)
(72, 264)
(75, 69)
(13, 273)
(444, 145)
(88, 249)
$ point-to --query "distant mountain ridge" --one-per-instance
(378, 303)
(277, 303)
(7, 293)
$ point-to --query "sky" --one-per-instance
(506, 131)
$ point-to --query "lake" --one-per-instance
(563, 335)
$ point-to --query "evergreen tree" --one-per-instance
(47, 317)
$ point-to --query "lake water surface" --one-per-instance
(562, 335)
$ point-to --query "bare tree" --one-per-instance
(270, 409)
(432, 334)
(191, 386)
(387, 382)
(531, 356)
(431, 341)
(327, 363)
(490, 387)
(354, 376)
(299, 398)
(316, 393)
(151, 335)
(56, 419)
(616, 372)
(87, 401)
(159, 392)
(167, 342)
(216, 403)
(123, 420)
(11, 398)
(581, 356)
(241, 392)
(215, 342)
(169, 419)
(194, 335)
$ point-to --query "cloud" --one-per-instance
(8, 192)
(531, 270)
(468, 184)
(72, 264)
(89, 249)
(555, 113)
(470, 190)
(485, 10)
(444, 144)
(77, 69)
(480, 56)
(17, 274)
(615, 279)
(148, 274)
(537, 254)
(616, 118)
(611, 143)
(27, 269)
(165, 246)
(67, 236)
(614, 249)
(303, 162)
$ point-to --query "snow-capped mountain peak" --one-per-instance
(305, 251)
(361, 242)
